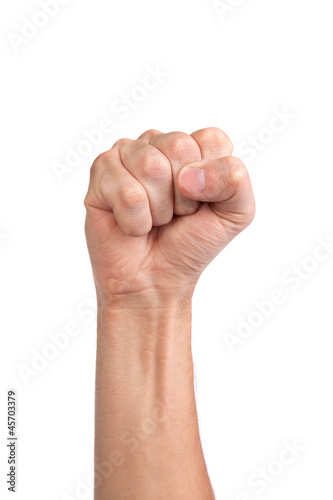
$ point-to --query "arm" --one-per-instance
(145, 404)
(146, 262)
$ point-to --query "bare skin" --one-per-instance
(154, 222)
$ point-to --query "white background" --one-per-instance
(233, 71)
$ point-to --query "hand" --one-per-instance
(161, 207)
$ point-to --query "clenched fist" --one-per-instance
(161, 207)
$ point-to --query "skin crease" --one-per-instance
(152, 227)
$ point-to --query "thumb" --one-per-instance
(224, 183)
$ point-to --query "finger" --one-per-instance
(115, 189)
(153, 170)
(180, 149)
(149, 134)
(224, 183)
(213, 143)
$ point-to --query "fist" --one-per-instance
(160, 208)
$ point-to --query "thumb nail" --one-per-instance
(192, 179)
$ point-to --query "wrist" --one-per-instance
(146, 301)
(142, 327)
(145, 342)
(147, 323)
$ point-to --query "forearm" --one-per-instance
(145, 404)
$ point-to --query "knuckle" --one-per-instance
(150, 132)
(212, 136)
(153, 166)
(182, 145)
(213, 133)
(237, 171)
(94, 169)
(99, 163)
(121, 143)
(132, 196)
(239, 180)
